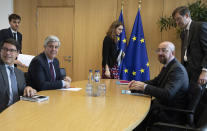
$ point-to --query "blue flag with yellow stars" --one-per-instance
(122, 37)
(135, 65)
(121, 41)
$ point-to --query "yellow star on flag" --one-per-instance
(134, 38)
(134, 73)
(142, 40)
(147, 64)
(124, 40)
(126, 70)
(142, 71)
(118, 38)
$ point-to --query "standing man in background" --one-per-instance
(194, 47)
(12, 32)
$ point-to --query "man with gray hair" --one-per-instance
(44, 71)
(169, 88)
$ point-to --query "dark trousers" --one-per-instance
(193, 75)
(157, 113)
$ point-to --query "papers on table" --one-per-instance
(122, 82)
(25, 59)
(70, 89)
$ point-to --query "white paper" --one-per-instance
(70, 89)
(25, 59)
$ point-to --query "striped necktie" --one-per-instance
(14, 92)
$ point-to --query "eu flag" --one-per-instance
(121, 40)
(122, 37)
(135, 64)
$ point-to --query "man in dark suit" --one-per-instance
(44, 70)
(12, 32)
(12, 79)
(169, 88)
(194, 47)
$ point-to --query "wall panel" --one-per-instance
(55, 3)
(92, 20)
(27, 10)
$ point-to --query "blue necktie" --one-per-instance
(14, 92)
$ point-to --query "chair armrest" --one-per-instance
(179, 110)
(162, 124)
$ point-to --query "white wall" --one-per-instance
(6, 8)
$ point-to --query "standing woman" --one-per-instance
(110, 51)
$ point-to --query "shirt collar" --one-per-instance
(6, 65)
(13, 30)
(169, 61)
(49, 60)
(188, 26)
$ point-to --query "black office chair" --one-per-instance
(62, 72)
(194, 120)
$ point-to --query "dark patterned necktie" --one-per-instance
(14, 36)
(14, 92)
(185, 40)
(52, 71)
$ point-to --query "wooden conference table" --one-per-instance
(75, 111)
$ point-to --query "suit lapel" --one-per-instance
(10, 32)
(46, 65)
(164, 72)
(5, 76)
(17, 78)
(190, 33)
(56, 68)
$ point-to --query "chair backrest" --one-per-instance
(62, 72)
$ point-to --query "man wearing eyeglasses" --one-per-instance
(169, 88)
(44, 71)
(12, 79)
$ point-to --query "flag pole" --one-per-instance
(140, 3)
(122, 5)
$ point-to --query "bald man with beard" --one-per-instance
(169, 88)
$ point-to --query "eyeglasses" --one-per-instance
(10, 50)
(52, 46)
(163, 50)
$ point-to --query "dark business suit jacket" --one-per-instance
(170, 86)
(39, 76)
(196, 49)
(4, 85)
(169, 89)
(6, 33)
